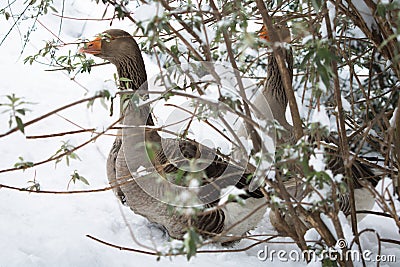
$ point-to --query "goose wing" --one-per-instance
(193, 160)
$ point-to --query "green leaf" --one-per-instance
(54, 9)
(20, 111)
(83, 180)
(106, 94)
(306, 58)
(23, 164)
(381, 10)
(76, 176)
(122, 79)
(20, 124)
(179, 175)
(35, 186)
(316, 4)
(12, 98)
(329, 263)
(190, 242)
(231, 198)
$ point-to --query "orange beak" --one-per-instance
(93, 47)
(263, 34)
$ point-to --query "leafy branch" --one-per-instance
(16, 109)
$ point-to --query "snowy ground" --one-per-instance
(50, 230)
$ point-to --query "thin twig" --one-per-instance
(59, 134)
(15, 129)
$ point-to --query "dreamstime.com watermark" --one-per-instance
(333, 254)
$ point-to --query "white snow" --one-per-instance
(148, 12)
(142, 171)
(306, 39)
(50, 229)
(392, 120)
(321, 116)
(206, 36)
(229, 190)
(332, 13)
(365, 13)
(211, 94)
(317, 160)
(346, 104)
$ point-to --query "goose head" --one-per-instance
(281, 29)
(118, 47)
(114, 45)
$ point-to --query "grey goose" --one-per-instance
(224, 223)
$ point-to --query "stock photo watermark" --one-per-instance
(333, 254)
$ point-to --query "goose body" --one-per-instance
(275, 94)
(128, 157)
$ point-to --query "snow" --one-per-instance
(142, 171)
(365, 13)
(346, 104)
(146, 13)
(229, 191)
(306, 39)
(211, 93)
(50, 229)
(206, 36)
(332, 13)
(392, 120)
(321, 116)
(317, 160)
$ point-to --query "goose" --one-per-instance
(127, 157)
(274, 92)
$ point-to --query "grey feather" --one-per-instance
(143, 181)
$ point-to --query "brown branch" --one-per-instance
(377, 213)
(344, 145)
(158, 253)
(55, 192)
(84, 19)
(381, 37)
(280, 59)
(396, 142)
(123, 248)
(52, 33)
(63, 154)
(297, 234)
(206, 48)
(51, 113)
(92, 66)
(256, 139)
(21, 189)
(386, 240)
(59, 134)
(225, 231)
